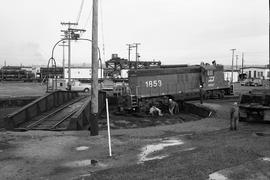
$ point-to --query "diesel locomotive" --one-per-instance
(155, 86)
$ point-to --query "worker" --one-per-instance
(154, 110)
(173, 107)
(234, 121)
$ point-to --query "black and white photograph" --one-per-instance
(134, 89)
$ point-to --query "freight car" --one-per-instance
(156, 86)
(16, 74)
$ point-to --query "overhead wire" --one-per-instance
(88, 19)
(80, 12)
(102, 30)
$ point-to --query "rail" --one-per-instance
(53, 124)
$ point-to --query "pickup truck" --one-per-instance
(78, 86)
(252, 82)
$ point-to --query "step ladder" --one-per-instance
(134, 101)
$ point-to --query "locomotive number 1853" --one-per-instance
(154, 83)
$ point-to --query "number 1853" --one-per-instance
(154, 83)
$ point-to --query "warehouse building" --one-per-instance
(256, 72)
(82, 73)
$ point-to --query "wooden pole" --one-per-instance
(69, 60)
(232, 64)
(242, 63)
(94, 87)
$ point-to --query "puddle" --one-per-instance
(262, 133)
(266, 159)
(147, 150)
(82, 177)
(84, 163)
(82, 148)
(188, 149)
(217, 176)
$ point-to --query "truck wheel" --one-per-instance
(86, 90)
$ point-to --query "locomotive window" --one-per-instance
(210, 73)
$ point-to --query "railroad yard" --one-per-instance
(176, 90)
(182, 146)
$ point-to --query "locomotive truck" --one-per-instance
(156, 86)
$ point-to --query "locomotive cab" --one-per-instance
(214, 84)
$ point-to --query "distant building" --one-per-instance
(82, 73)
(228, 75)
(256, 72)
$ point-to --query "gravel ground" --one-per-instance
(4, 112)
(207, 146)
(16, 89)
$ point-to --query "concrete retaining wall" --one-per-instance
(8, 102)
(196, 109)
(40, 105)
(81, 119)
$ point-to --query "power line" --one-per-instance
(80, 11)
(102, 30)
(88, 19)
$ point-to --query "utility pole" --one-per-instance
(5, 64)
(136, 46)
(130, 46)
(232, 64)
(69, 24)
(63, 63)
(269, 40)
(242, 64)
(94, 87)
(236, 63)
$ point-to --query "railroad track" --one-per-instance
(54, 120)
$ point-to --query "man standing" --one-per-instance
(234, 120)
(173, 107)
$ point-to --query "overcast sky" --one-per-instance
(172, 31)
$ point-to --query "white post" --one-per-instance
(108, 127)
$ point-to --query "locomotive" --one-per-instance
(155, 86)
